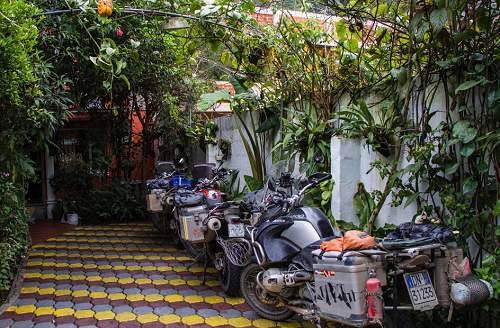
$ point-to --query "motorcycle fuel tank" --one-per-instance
(283, 238)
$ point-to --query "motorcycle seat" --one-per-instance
(189, 199)
(398, 244)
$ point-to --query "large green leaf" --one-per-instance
(438, 19)
(207, 100)
(464, 131)
(467, 85)
(252, 183)
(470, 185)
(467, 149)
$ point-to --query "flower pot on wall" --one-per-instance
(72, 218)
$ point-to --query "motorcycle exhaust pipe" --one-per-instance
(470, 290)
(214, 224)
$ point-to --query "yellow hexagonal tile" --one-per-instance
(119, 267)
(239, 322)
(164, 268)
(194, 282)
(25, 309)
(173, 298)
(64, 312)
(148, 317)
(177, 282)
(160, 282)
(116, 296)
(98, 295)
(169, 319)
(82, 314)
(63, 277)
(196, 269)
(62, 292)
(263, 323)
(47, 276)
(32, 275)
(76, 265)
(104, 267)
(94, 278)
(168, 258)
(125, 316)
(212, 283)
(153, 297)
(192, 320)
(109, 279)
(61, 265)
(235, 300)
(216, 321)
(80, 293)
(125, 280)
(133, 267)
(46, 291)
(78, 277)
(29, 290)
(193, 299)
(179, 269)
(104, 315)
(45, 310)
(90, 266)
(135, 297)
(214, 299)
(126, 257)
(143, 281)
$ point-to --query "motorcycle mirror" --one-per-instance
(318, 158)
(181, 161)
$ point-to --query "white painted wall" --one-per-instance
(350, 164)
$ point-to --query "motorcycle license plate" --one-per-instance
(421, 291)
(236, 230)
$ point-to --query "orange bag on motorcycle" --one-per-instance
(353, 240)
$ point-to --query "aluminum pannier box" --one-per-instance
(192, 223)
(340, 285)
(154, 200)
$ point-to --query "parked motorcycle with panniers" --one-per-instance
(291, 274)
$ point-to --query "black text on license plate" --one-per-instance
(421, 291)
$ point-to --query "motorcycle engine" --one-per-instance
(275, 279)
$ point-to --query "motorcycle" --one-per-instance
(191, 207)
(168, 178)
(292, 275)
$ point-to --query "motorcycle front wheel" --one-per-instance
(266, 306)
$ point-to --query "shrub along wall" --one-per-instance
(14, 234)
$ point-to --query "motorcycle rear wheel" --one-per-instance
(230, 278)
(251, 290)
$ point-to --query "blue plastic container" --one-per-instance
(180, 181)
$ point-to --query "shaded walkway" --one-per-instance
(121, 276)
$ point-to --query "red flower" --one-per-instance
(119, 32)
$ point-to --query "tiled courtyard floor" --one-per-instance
(121, 276)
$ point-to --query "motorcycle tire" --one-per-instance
(249, 288)
(230, 278)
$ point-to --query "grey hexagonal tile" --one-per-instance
(207, 313)
(143, 310)
(162, 310)
(6, 322)
(67, 325)
(207, 292)
(101, 307)
(63, 286)
(250, 315)
(124, 275)
(114, 290)
(97, 288)
(187, 292)
(230, 313)
(168, 292)
(185, 311)
(83, 306)
(62, 305)
(149, 291)
(45, 303)
(23, 324)
(80, 287)
(122, 308)
(131, 291)
(26, 301)
(47, 285)
(44, 325)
